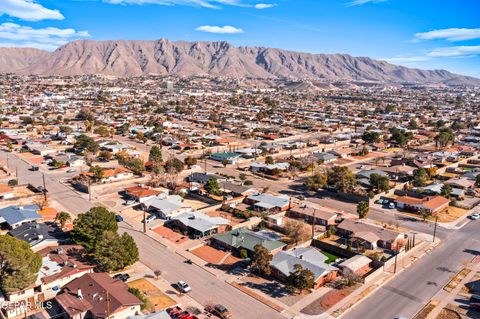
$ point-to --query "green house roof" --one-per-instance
(244, 238)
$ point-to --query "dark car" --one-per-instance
(219, 311)
(118, 218)
(122, 277)
(34, 168)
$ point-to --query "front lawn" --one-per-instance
(331, 257)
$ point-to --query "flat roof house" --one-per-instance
(39, 236)
(231, 158)
(323, 215)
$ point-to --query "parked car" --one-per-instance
(219, 311)
(71, 170)
(391, 205)
(118, 218)
(150, 218)
(474, 216)
(129, 202)
(122, 277)
(34, 168)
(183, 286)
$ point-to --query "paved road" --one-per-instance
(412, 289)
(71, 200)
(206, 288)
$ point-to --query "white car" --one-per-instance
(474, 216)
(150, 218)
(183, 286)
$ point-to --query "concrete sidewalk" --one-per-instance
(358, 295)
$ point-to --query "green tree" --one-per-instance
(420, 177)
(155, 154)
(212, 187)
(342, 179)
(242, 177)
(190, 161)
(97, 173)
(269, 160)
(477, 180)
(106, 155)
(225, 162)
(114, 252)
(363, 208)
(174, 164)
(103, 131)
(316, 182)
(401, 137)
(261, 259)
(137, 293)
(446, 190)
(379, 183)
(12, 183)
(19, 265)
(85, 142)
(413, 124)
(136, 165)
(89, 227)
(371, 137)
(124, 129)
(300, 279)
(62, 218)
(445, 138)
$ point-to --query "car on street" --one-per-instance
(129, 202)
(118, 218)
(150, 218)
(122, 277)
(34, 168)
(183, 286)
(474, 216)
(71, 170)
(390, 205)
(219, 311)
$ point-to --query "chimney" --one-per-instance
(79, 294)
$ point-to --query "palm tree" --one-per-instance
(62, 218)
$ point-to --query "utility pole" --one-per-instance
(435, 228)
(313, 222)
(396, 255)
(108, 305)
(44, 186)
(144, 221)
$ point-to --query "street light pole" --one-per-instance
(435, 228)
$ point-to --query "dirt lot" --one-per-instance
(157, 300)
(169, 234)
(327, 301)
(233, 220)
(214, 256)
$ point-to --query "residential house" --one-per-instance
(241, 238)
(324, 157)
(198, 225)
(14, 216)
(6, 192)
(87, 297)
(431, 204)
(358, 264)
(230, 158)
(269, 202)
(321, 215)
(39, 236)
(166, 207)
(141, 194)
(283, 264)
(361, 235)
(270, 169)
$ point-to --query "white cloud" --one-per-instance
(261, 6)
(452, 34)
(47, 38)
(458, 51)
(213, 4)
(361, 2)
(28, 10)
(220, 30)
(406, 59)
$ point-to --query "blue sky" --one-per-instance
(430, 34)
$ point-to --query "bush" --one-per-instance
(137, 293)
(248, 183)
(12, 182)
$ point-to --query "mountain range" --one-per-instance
(125, 58)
